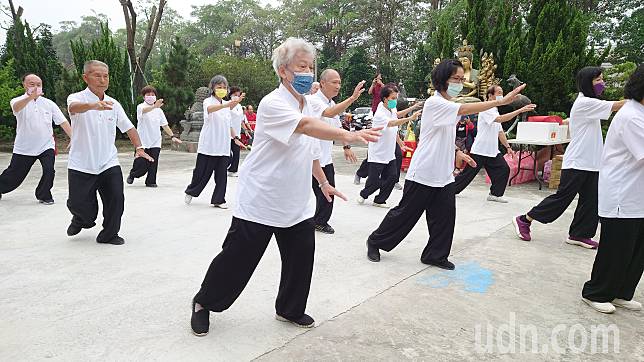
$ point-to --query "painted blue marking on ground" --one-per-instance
(471, 276)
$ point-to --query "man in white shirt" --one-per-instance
(323, 104)
(34, 139)
(485, 150)
(150, 118)
(273, 196)
(619, 262)
(93, 158)
(213, 151)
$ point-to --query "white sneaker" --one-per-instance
(356, 180)
(383, 205)
(221, 206)
(398, 186)
(232, 174)
(627, 304)
(360, 200)
(188, 199)
(607, 308)
(497, 199)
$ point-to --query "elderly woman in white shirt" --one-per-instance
(150, 118)
(273, 195)
(213, 150)
(429, 184)
(619, 262)
(580, 169)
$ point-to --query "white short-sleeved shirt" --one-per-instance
(621, 176)
(384, 150)
(149, 125)
(236, 118)
(93, 132)
(275, 179)
(214, 139)
(486, 142)
(433, 161)
(586, 141)
(34, 132)
(319, 102)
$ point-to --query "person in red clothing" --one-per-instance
(374, 91)
(251, 116)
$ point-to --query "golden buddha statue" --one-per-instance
(470, 90)
(487, 75)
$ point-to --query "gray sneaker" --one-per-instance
(356, 180)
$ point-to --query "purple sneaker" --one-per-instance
(583, 242)
(522, 228)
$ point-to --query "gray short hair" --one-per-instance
(284, 54)
(90, 63)
(218, 79)
(327, 73)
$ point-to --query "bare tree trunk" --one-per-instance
(137, 62)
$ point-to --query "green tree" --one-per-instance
(355, 67)
(174, 82)
(254, 76)
(105, 50)
(630, 37)
(88, 30)
(10, 87)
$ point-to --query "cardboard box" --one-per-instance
(537, 131)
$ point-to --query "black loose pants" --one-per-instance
(83, 203)
(141, 166)
(20, 166)
(619, 262)
(204, 168)
(439, 205)
(323, 208)
(573, 182)
(496, 168)
(243, 248)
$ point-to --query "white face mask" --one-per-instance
(150, 99)
(32, 90)
(234, 98)
(498, 98)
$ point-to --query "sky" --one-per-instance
(53, 11)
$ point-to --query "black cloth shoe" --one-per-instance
(150, 185)
(73, 230)
(130, 180)
(47, 202)
(373, 254)
(443, 264)
(199, 321)
(117, 240)
(325, 229)
(305, 321)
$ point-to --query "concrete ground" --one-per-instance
(71, 299)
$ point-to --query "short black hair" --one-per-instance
(234, 89)
(387, 90)
(443, 71)
(585, 80)
(634, 88)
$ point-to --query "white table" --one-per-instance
(539, 144)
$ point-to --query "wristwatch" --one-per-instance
(346, 147)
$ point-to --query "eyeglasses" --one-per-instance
(457, 79)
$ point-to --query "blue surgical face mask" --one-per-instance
(302, 82)
(454, 89)
(392, 103)
(498, 98)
